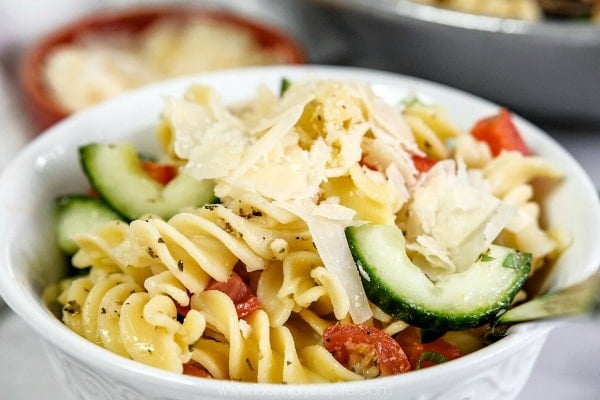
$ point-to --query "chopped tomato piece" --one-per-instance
(161, 173)
(195, 369)
(182, 310)
(410, 340)
(240, 293)
(500, 133)
(366, 162)
(365, 350)
(93, 194)
(423, 163)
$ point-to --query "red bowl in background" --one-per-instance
(45, 110)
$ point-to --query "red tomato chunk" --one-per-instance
(410, 340)
(244, 299)
(366, 350)
(500, 133)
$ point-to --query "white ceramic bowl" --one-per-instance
(49, 166)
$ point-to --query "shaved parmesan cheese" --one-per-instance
(269, 140)
(386, 121)
(459, 217)
(334, 211)
(297, 96)
(209, 137)
(397, 181)
(348, 150)
(330, 240)
(288, 172)
(381, 155)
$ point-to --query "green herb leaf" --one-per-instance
(485, 257)
(284, 86)
(430, 356)
(412, 101)
(517, 260)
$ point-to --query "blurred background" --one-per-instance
(540, 62)
(544, 66)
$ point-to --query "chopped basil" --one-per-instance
(516, 260)
(430, 356)
(284, 86)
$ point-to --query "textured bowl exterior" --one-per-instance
(48, 167)
(500, 377)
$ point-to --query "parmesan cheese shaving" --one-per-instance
(282, 126)
(330, 240)
(208, 137)
(386, 120)
(453, 220)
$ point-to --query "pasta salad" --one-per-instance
(317, 234)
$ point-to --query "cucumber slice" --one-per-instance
(77, 213)
(460, 301)
(115, 172)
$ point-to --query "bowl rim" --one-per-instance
(52, 330)
(571, 32)
(31, 63)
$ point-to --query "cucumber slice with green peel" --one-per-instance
(115, 172)
(76, 214)
(459, 301)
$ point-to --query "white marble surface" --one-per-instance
(568, 368)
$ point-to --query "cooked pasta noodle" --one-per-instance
(291, 173)
(520, 9)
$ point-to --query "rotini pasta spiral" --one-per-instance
(258, 353)
(117, 314)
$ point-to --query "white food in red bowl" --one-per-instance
(109, 52)
(286, 171)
